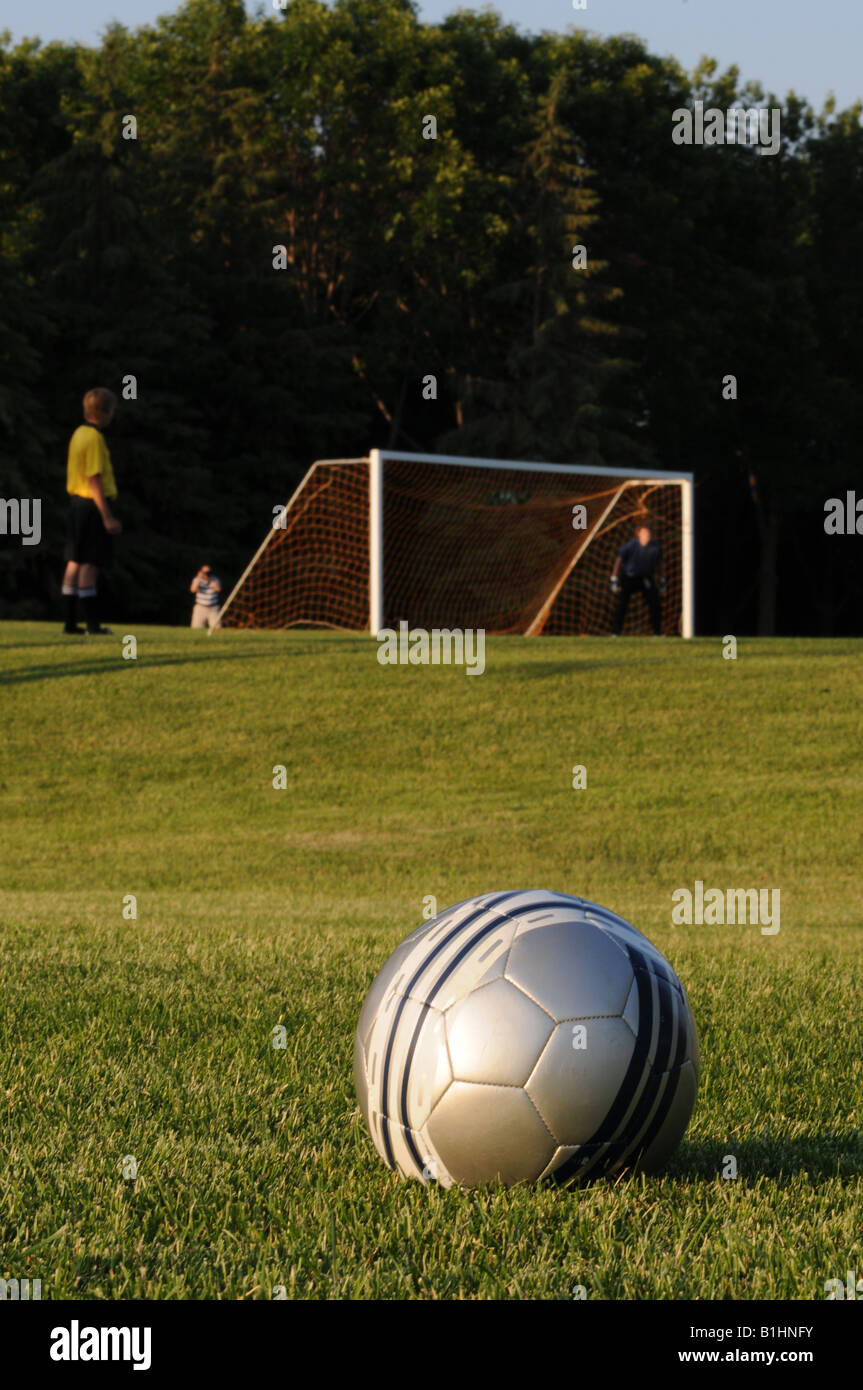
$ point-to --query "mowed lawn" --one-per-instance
(146, 1044)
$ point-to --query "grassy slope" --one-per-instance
(152, 1037)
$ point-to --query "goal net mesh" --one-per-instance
(505, 549)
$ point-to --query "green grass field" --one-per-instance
(151, 1038)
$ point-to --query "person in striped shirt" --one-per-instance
(206, 587)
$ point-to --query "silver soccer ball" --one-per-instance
(525, 1035)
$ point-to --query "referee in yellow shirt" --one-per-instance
(90, 485)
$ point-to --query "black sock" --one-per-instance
(69, 596)
(90, 605)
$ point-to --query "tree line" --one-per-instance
(144, 185)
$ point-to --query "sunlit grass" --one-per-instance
(150, 1037)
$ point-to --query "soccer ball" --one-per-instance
(525, 1035)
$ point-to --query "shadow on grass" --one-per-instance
(781, 1159)
(818, 1156)
(110, 667)
(204, 641)
(531, 670)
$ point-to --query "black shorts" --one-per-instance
(87, 541)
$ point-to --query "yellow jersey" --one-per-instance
(88, 455)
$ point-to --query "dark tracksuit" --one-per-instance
(638, 564)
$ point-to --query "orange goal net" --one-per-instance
(463, 543)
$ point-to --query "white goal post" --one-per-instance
(439, 540)
(378, 457)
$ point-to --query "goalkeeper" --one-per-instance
(638, 570)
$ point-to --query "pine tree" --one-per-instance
(545, 398)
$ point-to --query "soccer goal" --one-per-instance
(448, 542)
